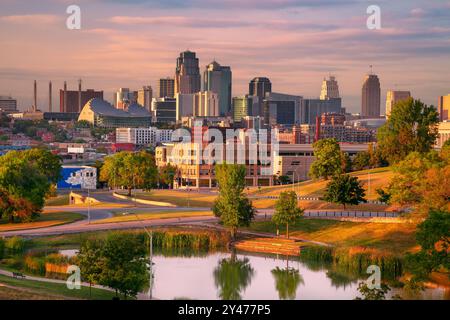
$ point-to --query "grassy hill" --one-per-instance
(379, 177)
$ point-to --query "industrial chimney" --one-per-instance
(35, 97)
(79, 95)
(65, 97)
(50, 96)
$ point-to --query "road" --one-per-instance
(103, 211)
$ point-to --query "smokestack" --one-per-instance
(317, 137)
(50, 96)
(65, 97)
(35, 97)
(79, 95)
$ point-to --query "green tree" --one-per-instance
(361, 160)
(414, 177)
(286, 282)
(25, 180)
(433, 236)
(131, 170)
(372, 293)
(89, 261)
(287, 210)
(346, 162)
(232, 206)
(167, 174)
(232, 276)
(123, 264)
(412, 126)
(344, 189)
(328, 160)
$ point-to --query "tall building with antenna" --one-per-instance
(370, 96)
(74, 100)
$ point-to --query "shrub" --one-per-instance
(15, 244)
(35, 265)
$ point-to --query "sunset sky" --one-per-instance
(296, 43)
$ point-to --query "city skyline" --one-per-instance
(302, 43)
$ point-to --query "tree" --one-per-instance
(167, 175)
(25, 181)
(433, 235)
(346, 162)
(287, 210)
(361, 160)
(328, 160)
(344, 189)
(422, 180)
(374, 293)
(232, 206)
(122, 263)
(412, 126)
(89, 261)
(132, 170)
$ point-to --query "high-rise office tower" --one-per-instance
(166, 88)
(217, 78)
(394, 96)
(144, 97)
(187, 73)
(330, 89)
(206, 104)
(370, 101)
(258, 87)
(444, 107)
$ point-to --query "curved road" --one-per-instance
(103, 211)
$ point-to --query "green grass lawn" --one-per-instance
(120, 217)
(46, 219)
(178, 198)
(395, 238)
(59, 200)
(57, 289)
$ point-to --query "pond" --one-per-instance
(251, 276)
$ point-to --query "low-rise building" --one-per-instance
(444, 133)
(143, 136)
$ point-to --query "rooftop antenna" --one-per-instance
(371, 69)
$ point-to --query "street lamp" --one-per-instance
(150, 235)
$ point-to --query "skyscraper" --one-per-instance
(217, 78)
(394, 96)
(242, 107)
(444, 107)
(258, 87)
(144, 97)
(370, 102)
(330, 89)
(187, 73)
(166, 88)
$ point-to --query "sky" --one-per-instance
(295, 43)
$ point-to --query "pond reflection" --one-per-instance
(287, 281)
(232, 276)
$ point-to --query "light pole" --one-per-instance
(150, 235)
(83, 175)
